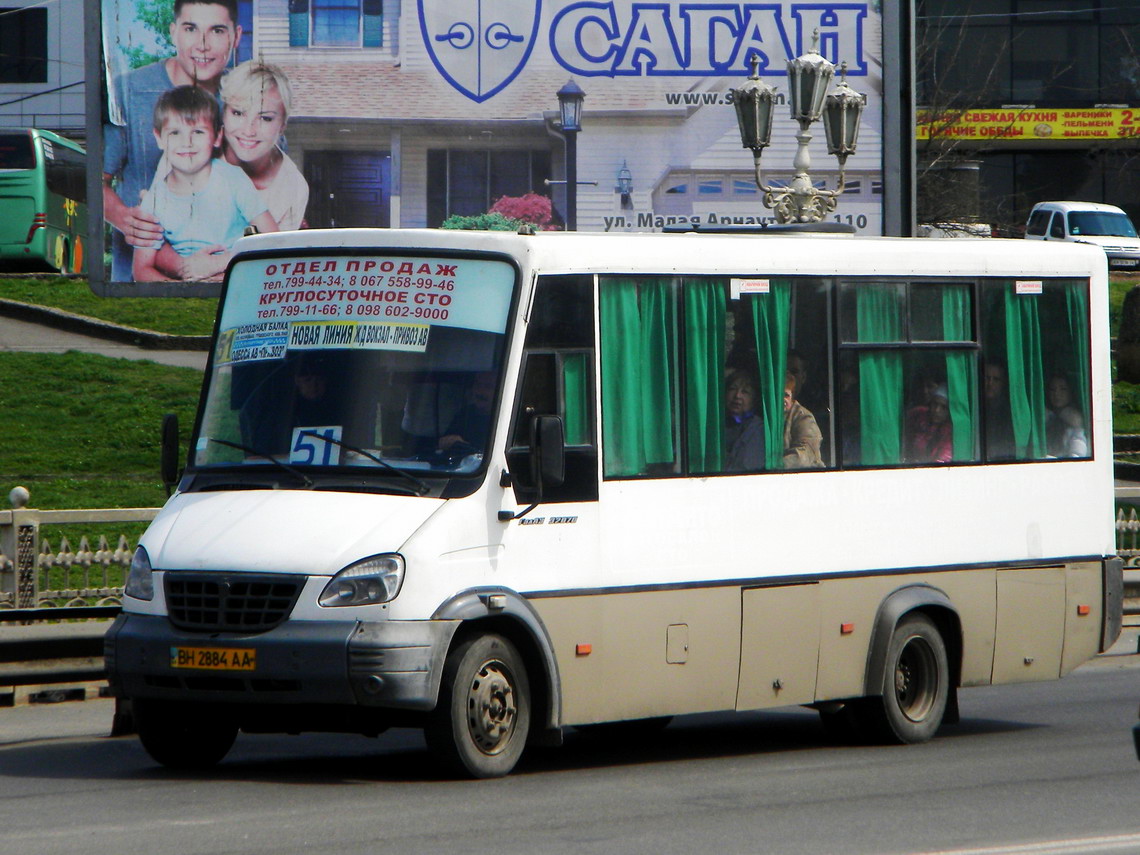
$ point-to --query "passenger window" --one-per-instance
(1057, 229)
(640, 392)
(908, 373)
(1036, 379)
(714, 355)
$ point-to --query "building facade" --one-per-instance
(1022, 101)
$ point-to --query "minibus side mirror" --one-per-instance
(170, 456)
(548, 452)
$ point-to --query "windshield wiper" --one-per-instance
(296, 473)
(421, 487)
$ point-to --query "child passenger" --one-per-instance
(201, 201)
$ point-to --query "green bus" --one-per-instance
(43, 201)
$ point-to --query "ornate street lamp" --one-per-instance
(808, 78)
(570, 99)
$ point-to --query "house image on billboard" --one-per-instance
(407, 112)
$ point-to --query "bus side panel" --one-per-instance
(637, 655)
(1083, 590)
(849, 609)
(779, 646)
(1030, 624)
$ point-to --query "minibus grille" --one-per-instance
(230, 603)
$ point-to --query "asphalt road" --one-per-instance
(1036, 768)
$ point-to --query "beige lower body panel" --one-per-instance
(640, 654)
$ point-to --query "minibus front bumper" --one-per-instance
(386, 664)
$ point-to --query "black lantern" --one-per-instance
(842, 111)
(753, 102)
(570, 99)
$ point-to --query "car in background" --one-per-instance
(1106, 226)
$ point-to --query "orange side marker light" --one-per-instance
(846, 628)
(1083, 610)
(583, 649)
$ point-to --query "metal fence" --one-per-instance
(35, 573)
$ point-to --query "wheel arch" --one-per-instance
(501, 610)
(924, 599)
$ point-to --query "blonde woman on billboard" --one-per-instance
(256, 99)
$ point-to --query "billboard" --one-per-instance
(229, 115)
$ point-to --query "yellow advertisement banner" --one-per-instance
(1040, 125)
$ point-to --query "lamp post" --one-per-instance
(808, 78)
(570, 99)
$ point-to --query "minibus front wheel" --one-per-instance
(183, 736)
(480, 724)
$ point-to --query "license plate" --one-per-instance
(214, 658)
(1125, 262)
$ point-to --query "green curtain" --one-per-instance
(637, 346)
(704, 374)
(575, 386)
(1077, 319)
(770, 322)
(879, 318)
(961, 377)
(1026, 373)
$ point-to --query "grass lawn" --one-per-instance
(82, 431)
(174, 315)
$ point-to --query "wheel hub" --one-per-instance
(491, 708)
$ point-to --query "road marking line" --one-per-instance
(1051, 847)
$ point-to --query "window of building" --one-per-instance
(336, 23)
(468, 181)
(23, 45)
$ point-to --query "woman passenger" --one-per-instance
(744, 429)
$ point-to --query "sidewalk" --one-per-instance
(36, 329)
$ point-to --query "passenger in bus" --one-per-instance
(929, 434)
(999, 423)
(802, 436)
(312, 404)
(1064, 426)
(468, 430)
(744, 430)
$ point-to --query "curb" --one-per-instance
(71, 322)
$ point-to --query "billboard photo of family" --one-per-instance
(193, 149)
(230, 116)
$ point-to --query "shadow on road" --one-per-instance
(400, 756)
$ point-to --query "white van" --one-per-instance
(499, 485)
(1106, 226)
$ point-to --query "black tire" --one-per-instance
(916, 684)
(183, 736)
(480, 724)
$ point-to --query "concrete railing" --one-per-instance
(36, 574)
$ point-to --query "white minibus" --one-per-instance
(499, 485)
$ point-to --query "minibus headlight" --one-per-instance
(373, 580)
(140, 579)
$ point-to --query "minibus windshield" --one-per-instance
(384, 366)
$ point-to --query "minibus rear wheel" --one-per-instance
(183, 736)
(916, 684)
(480, 724)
